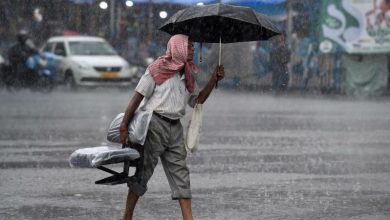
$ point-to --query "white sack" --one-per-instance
(194, 127)
(138, 127)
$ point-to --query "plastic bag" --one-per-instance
(194, 127)
(97, 156)
(138, 127)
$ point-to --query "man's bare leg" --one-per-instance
(186, 211)
(132, 199)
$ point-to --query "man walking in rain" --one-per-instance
(166, 87)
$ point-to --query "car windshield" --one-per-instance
(91, 48)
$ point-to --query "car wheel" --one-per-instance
(70, 82)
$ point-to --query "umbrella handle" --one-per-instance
(219, 58)
(220, 50)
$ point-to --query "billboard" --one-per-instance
(355, 26)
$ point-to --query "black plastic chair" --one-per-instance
(98, 157)
(119, 178)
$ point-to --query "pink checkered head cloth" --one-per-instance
(173, 61)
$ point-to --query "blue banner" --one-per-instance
(269, 7)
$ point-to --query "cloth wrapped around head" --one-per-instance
(173, 61)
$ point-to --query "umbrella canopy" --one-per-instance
(220, 23)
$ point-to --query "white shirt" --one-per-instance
(168, 99)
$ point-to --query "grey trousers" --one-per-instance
(164, 140)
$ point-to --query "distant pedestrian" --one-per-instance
(279, 57)
(303, 47)
(166, 88)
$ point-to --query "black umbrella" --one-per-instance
(220, 23)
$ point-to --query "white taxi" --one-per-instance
(89, 61)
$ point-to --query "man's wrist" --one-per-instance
(122, 127)
(214, 79)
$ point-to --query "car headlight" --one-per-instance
(126, 66)
(134, 69)
(130, 69)
(83, 66)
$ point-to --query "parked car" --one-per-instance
(89, 61)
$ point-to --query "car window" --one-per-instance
(48, 47)
(91, 48)
(60, 49)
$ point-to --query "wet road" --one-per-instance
(261, 157)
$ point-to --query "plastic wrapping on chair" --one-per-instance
(97, 156)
